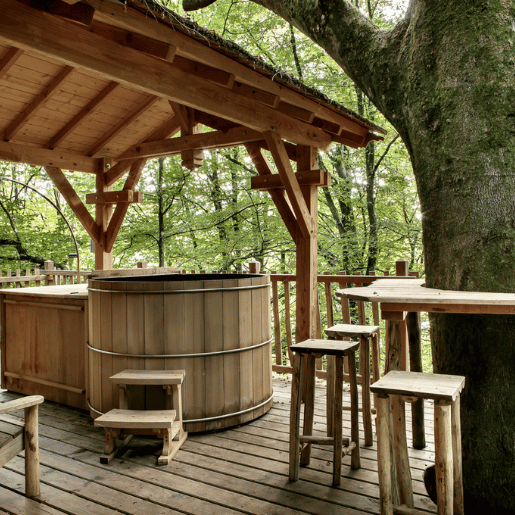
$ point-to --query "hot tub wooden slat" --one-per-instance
(231, 362)
(202, 321)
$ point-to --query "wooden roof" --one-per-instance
(97, 79)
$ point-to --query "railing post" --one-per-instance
(49, 265)
(141, 264)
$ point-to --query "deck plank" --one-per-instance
(240, 470)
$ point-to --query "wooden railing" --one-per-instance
(331, 310)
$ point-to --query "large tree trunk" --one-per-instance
(444, 77)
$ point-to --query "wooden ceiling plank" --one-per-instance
(75, 203)
(205, 141)
(104, 140)
(68, 43)
(121, 209)
(188, 47)
(278, 150)
(9, 59)
(280, 200)
(166, 130)
(16, 153)
(36, 104)
(135, 41)
(83, 115)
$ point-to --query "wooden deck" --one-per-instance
(241, 470)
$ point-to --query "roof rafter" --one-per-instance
(207, 140)
(36, 104)
(70, 44)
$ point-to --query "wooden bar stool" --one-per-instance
(305, 355)
(368, 339)
(445, 391)
(166, 424)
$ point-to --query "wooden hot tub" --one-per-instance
(215, 327)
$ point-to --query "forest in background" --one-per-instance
(209, 218)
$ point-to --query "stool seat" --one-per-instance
(419, 384)
(325, 347)
(351, 330)
(445, 391)
(304, 358)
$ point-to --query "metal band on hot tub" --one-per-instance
(196, 355)
(206, 290)
(207, 419)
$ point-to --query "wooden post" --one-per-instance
(103, 212)
(49, 265)
(307, 254)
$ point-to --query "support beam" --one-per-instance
(304, 178)
(167, 130)
(75, 203)
(121, 209)
(16, 153)
(278, 150)
(205, 141)
(284, 208)
(114, 197)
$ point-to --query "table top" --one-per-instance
(412, 295)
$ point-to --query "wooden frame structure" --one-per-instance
(100, 87)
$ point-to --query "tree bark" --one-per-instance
(444, 78)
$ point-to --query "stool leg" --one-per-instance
(330, 394)
(444, 458)
(354, 412)
(364, 357)
(298, 365)
(336, 416)
(309, 407)
(384, 464)
(459, 508)
(400, 447)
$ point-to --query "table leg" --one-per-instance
(443, 458)
(415, 359)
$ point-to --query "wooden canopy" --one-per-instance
(100, 87)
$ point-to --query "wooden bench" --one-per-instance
(121, 424)
(25, 438)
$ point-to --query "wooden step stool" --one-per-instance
(445, 391)
(368, 340)
(166, 424)
(305, 355)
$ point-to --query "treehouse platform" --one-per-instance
(239, 470)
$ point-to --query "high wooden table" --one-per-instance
(401, 298)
